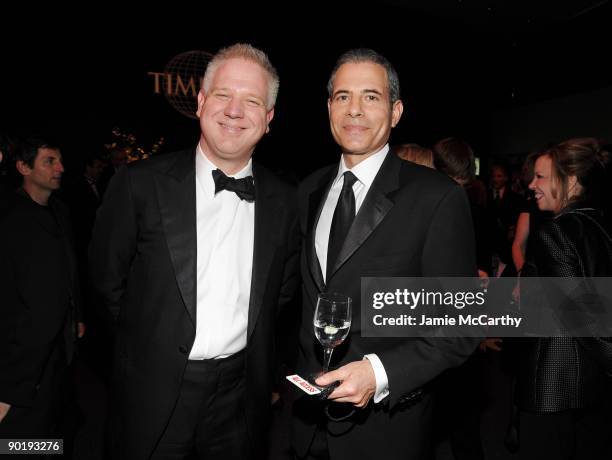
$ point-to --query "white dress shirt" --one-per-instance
(365, 172)
(92, 185)
(225, 227)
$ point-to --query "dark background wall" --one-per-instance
(77, 74)
(526, 128)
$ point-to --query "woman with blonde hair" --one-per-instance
(564, 382)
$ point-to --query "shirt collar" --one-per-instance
(367, 169)
(205, 167)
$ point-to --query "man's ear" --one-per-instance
(396, 112)
(23, 168)
(269, 117)
(201, 99)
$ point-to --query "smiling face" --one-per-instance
(544, 186)
(360, 112)
(233, 113)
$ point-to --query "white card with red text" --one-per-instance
(303, 385)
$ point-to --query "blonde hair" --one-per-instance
(416, 154)
(248, 53)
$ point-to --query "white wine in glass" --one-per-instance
(332, 322)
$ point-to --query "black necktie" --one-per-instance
(244, 188)
(341, 222)
(496, 198)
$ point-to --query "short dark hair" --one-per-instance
(28, 150)
(500, 164)
(358, 55)
(90, 159)
(455, 158)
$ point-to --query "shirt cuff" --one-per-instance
(382, 382)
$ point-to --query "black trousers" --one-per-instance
(319, 449)
(458, 404)
(369, 433)
(209, 420)
(49, 415)
(573, 434)
(42, 419)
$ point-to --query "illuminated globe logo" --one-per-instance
(183, 76)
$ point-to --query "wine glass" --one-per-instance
(332, 322)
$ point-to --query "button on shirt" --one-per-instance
(365, 172)
(225, 227)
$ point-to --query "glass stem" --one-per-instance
(327, 358)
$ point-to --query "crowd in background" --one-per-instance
(524, 220)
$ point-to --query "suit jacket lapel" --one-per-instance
(266, 230)
(315, 206)
(177, 204)
(373, 210)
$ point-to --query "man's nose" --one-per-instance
(354, 108)
(234, 109)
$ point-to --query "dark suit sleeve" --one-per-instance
(449, 248)
(290, 272)
(448, 251)
(288, 305)
(113, 243)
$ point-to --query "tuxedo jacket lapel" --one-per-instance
(177, 204)
(266, 229)
(316, 201)
(373, 210)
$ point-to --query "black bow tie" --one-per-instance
(244, 188)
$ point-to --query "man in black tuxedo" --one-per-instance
(39, 307)
(194, 265)
(403, 220)
(503, 207)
